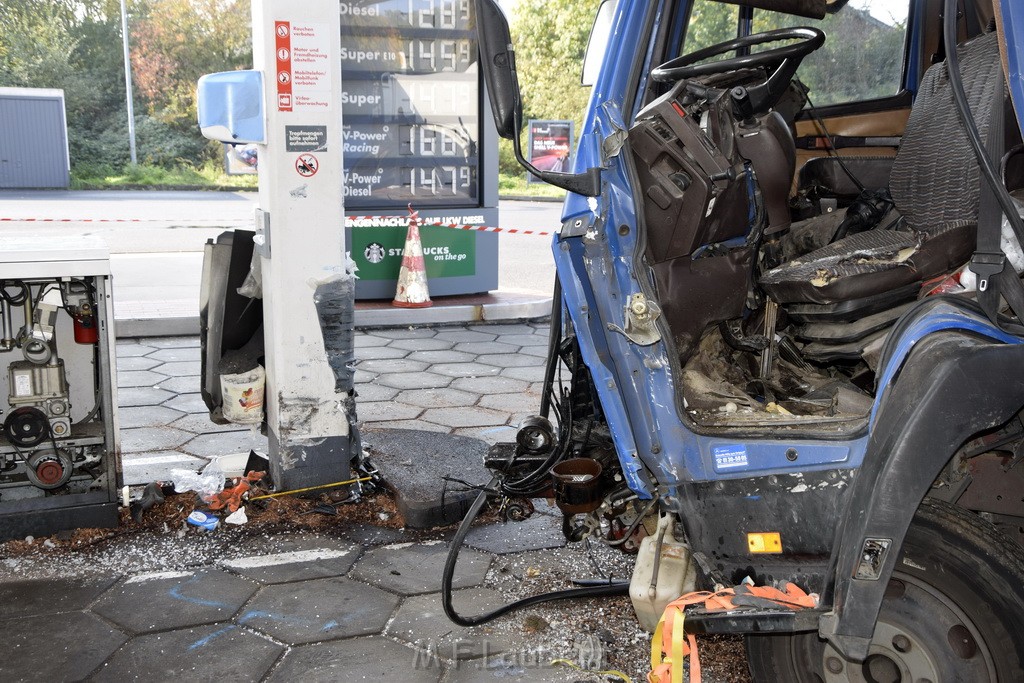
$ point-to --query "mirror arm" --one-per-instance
(587, 183)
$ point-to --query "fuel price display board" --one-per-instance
(411, 103)
(413, 133)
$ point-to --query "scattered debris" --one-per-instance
(237, 517)
(151, 495)
(203, 520)
(232, 498)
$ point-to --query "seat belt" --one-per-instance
(989, 262)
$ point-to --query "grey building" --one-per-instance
(33, 138)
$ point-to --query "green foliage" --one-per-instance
(76, 45)
(516, 186)
(209, 176)
(551, 39)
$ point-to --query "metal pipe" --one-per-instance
(7, 341)
(128, 82)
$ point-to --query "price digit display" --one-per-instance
(411, 103)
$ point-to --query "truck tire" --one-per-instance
(953, 611)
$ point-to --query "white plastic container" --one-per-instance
(243, 396)
(677, 574)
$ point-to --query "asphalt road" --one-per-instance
(156, 238)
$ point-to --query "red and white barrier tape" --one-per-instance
(230, 223)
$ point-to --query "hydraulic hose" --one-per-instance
(606, 589)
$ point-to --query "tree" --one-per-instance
(177, 41)
(551, 39)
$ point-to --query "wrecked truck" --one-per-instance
(786, 345)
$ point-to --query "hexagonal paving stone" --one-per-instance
(524, 339)
(128, 349)
(146, 416)
(299, 559)
(322, 609)
(408, 424)
(125, 363)
(379, 352)
(446, 356)
(405, 333)
(375, 392)
(43, 596)
(188, 403)
(142, 396)
(143, 468)
(512, 403)
(421, 621)
(465, 417)
(538, 351)
(365, 341)
(536, 532)
(212, 653)
(152, 439)
(375, 411)
(490, 385)
(465, 369)
(138, 378)
(225, 443)
(361, 376)
(187, 353)
(182, 385)
(173, 342)
(503, 329)
(486, 347)
(437, 398)
(56, 647)
(510, 360)
(392, 365)
(426, 344)
(414, 380)
(410, 569)
(199, 423)
(167, 600)
(534, 373)
(180, 369)
(465, 336)
(358, 659)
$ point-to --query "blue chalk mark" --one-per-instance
(204, 641)
(330, 624)
(176, 594)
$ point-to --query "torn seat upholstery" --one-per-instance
(935, 185)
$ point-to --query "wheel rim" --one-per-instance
(922, 636)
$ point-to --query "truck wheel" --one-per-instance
(953, 611)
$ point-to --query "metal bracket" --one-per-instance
(261, 240)
(641, 318)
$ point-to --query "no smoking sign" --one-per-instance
(307, 165)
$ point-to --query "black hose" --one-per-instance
(553, 339)
(605, 589)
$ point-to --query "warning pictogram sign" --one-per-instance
(307, 165)
(283, 43)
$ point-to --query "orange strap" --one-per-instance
(671, 644)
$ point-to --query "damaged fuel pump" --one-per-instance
(58, 442)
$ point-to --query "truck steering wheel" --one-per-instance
(781, 62)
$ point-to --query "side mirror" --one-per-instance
(230, 107)
(498, 61)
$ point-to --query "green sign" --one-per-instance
(447, 252)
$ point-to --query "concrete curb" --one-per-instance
(503, 311)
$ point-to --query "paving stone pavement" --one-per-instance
(473, 380)
(362, 607)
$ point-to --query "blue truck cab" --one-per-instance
(787, 325)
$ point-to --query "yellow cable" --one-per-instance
(311, 488)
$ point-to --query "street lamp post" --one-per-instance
(128, 82)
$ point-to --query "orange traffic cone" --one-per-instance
(412, 291)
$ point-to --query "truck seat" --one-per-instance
(935, 185)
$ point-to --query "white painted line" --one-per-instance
(284, 558)
(153, 576)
